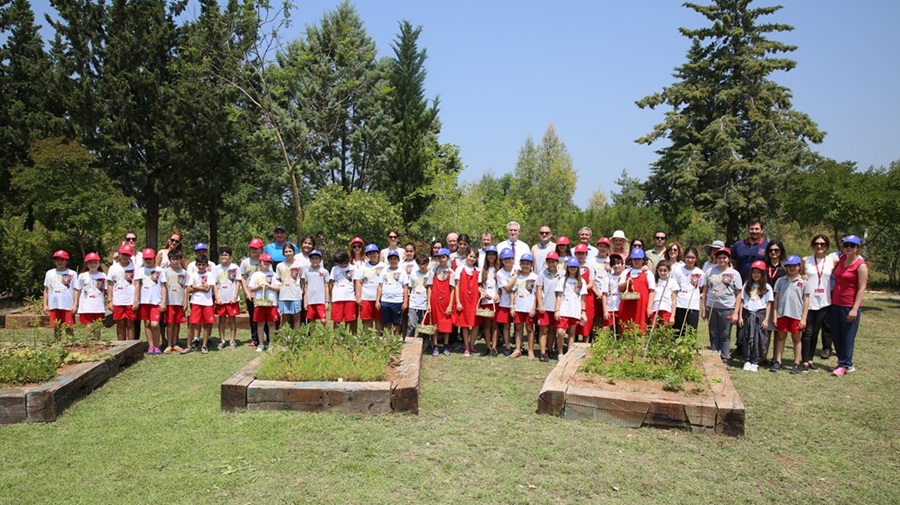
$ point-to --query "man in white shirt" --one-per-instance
(512, 241)
(584, 237)
(540, 250)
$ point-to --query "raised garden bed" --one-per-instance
(45, 402)
(718, 410)
(243, 391)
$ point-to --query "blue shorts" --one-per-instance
(391, 313)
(287, 307)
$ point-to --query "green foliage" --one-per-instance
(28, 365)
(669, 357)
(314, 352)
(34, 356)
(31, 250)
(365, 214)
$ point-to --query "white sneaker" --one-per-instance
(233, 344)
(748, 366)
(261, 348)
(560, 356)
(221, 344)
(754, 368)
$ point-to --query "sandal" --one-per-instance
(530, 354)
(516, 354)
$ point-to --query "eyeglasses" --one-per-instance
(820, 244)
(659, 238)
(131, 239)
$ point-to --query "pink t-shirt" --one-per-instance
(846, 283)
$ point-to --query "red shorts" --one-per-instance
(202, 314)
(501, 315)
(788, 324)
(121, 312)
(60, 316)
(175, 314)
(523, 317)
(368, 312)
(565, 323)
(546, 319)
(148, 312)
(90, 318)
(613, 319)
(343, 312)
(228, 309)
(265, 314)
(315, 312)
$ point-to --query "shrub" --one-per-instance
(314, 352)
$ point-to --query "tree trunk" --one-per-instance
(151, 227)
(213, 217)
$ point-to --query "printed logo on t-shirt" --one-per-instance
(100, 284)
(129, 276)
(727, 279)
(66, 280)
(695, 279)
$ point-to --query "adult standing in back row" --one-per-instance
(276, 249)
(540, 250)
(750, 249)
(851, 277)
(512, 242)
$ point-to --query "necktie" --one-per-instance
(513, 245)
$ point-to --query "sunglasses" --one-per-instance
(820, 244)
(850, 245)
(356, 246)
(174, 241)
(393, 236)
(544, 232)
(659, 238)
(774, 251)
(131, 239)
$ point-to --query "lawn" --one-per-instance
(155, 434)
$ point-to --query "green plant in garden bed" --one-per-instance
(316, 353)
(669, 358)
(34, 356)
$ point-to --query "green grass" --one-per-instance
(155, 434)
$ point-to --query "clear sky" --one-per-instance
(505, 70)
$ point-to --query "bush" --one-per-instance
(669, 358)
(314, 352)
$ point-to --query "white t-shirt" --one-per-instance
(343, 288)
(368, 277)
(570, 304)
(93, 292)
(192, 267)
(258, 279)
(503, 277)
(819, 274)
(690, 283)
(392, 284)
(547, 282)
(315, 280)
(489, 285)
(199, 280)
(60, 286)
(248, 266)
(227, 281)
(418, 290)
(662, 295)
(613, 297)
(122, 281)
(525, 291)
(289, 276)
(754, 302)
(175, 281)
(151, 286)
(409, 267)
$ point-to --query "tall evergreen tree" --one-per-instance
(734, 137)
(544, 180)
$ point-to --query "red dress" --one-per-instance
(636, 310)
(468, 294)
(585, 329)
(440, 300)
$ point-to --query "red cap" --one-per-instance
(562, 240)
(759, 265)
(148, 253)
(357, 240)
(723, 250)
(617, 255)
(92, 256)
(256, 243)
(603, 240)
(552, 256)
(581, 248)
(61, 254)
(265, 257)
(126, 249)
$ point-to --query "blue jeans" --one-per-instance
(720, 331)
(843, 334)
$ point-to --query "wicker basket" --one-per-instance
(485, 311)
(425, 329)
(629, 295)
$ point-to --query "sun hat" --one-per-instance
(619, 234)
(709, 248)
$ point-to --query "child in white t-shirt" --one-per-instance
(392, 294)
(570, 304)
(59, 292)
(264, 285)
(225, 296)
(200, 290)
(418, 294)
(367, 288)
(546, 300)
(290, 296)
(121, 294)
(174, 304)
(343, 290)
(525, 304)
(90, 292)
(147, 302)
(316, 288)
(665, 294)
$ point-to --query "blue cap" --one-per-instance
(200, 245)
(572, 262)
(851, 239)
(507, 253)
(637, 254)
(444, 252)
(315, 252)
(792, 260)
(527, 257)
(393, 253)
(490, 248)
(371, 248)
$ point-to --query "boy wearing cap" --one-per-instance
(147, 302)
(343, 290)
(545, 296)
(225, 296)
(723, 290)
(392, 293)
(506, 279)
(59, 292)
(200, 290)
(201, 249)
(366, 280)
(173, 303)
(791, 308)
(315, 283)
(524, 304)
(121, 293)
(248, 267)
(264, 285)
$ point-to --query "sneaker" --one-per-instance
(435, 351)
(776, 366)
(261, 348)
(839, 371)
(446, 351)
(748, 366)
(221, 345)
(204, 350)
(196, 342)
(493, 353)
(851, 369)
(560, 356)
(485, 352)
(754, 368)
(507, 352)
(233, 344)
(811, 367)
(252, 343)
(797, 368)
(544, 358)
(466, 353)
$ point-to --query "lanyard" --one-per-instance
(819, 270)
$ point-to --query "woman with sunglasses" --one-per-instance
(393, 237)
(818, 268)
(173, 242)
(775, 255)
(357, 256)
(851, 277)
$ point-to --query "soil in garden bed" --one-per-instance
(691, 389)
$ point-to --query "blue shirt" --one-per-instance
(277, 251)
(744, 254)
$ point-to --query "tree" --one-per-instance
(734, 137)
(360, 213)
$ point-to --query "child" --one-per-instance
(315, 286)
(343, 294)
(723, 285)
(90, 290)
(264, 285)
(201, 249)
(505, 281)
(59, 293)
(611, 292)
(602, 259)
(148, 298)
(587, 273)
(564, 251)
(489, 298)
(791, 308)
(120, 293)
(754, 319)
(200, 290)
(367, 288)
(546, 300)
(665, 294)
(290, 296)
(418, 294)
(692, 285)
(392, 294)
(466, 279)
(173, 301)
(225, 295)
(525, 304)
(248, 267)
(440, 293)
(636, 312)
(570, 305)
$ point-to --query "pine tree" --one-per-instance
(734, 137)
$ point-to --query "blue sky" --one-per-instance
(505, 70)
